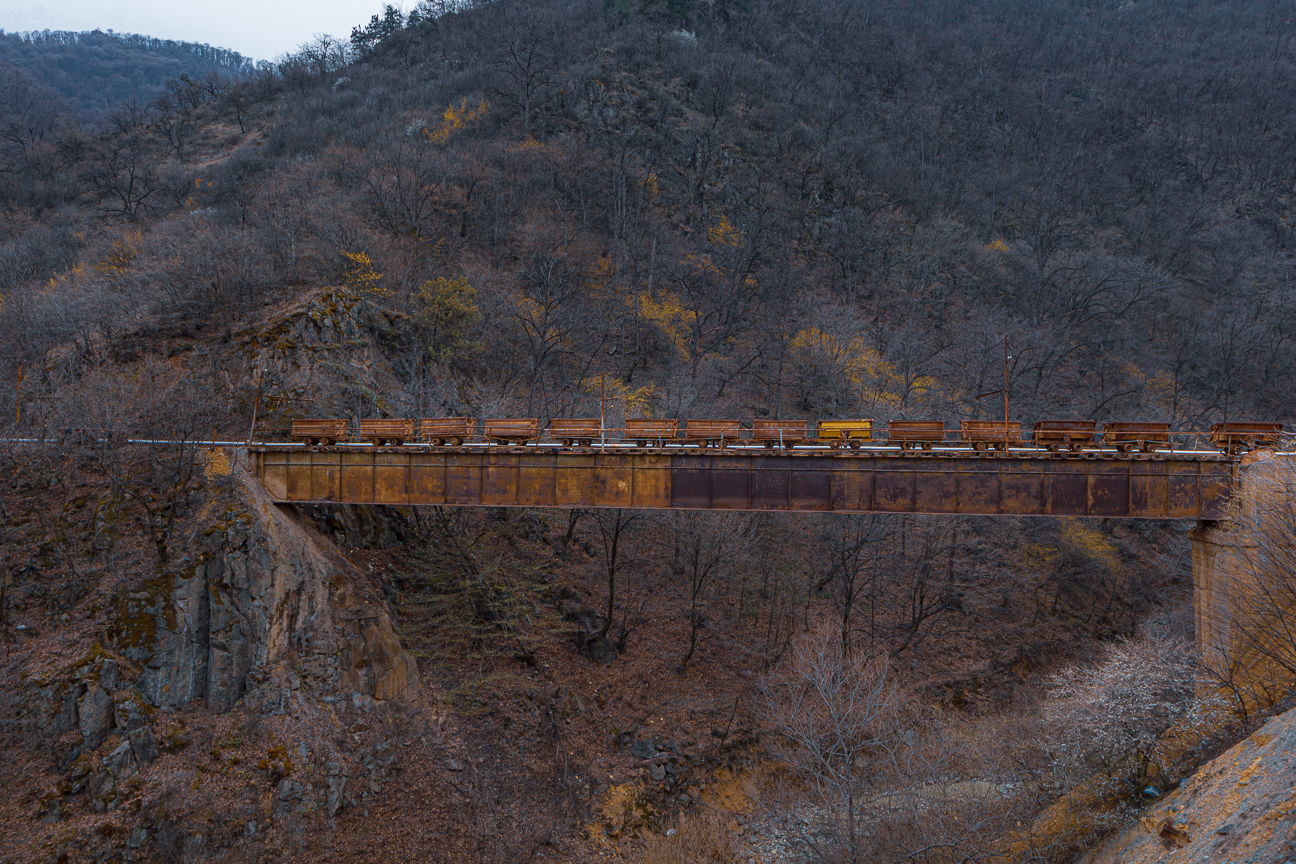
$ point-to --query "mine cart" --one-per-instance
(1128, 437)
(990, 434)
(314, 431)
(647, 430)
(779, 433)
(512, 431)
(441, 431)
(582, 432)
(1071, 434)
(842, 433)
(386, 431)
(707, 432)
(1237, 437)
(908, 433)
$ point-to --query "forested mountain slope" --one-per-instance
(783, 209)
(93, 71)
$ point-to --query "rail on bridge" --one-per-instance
(1161, 485)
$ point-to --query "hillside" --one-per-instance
(763, 209)
(94, 71)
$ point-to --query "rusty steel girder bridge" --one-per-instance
(1161, 485)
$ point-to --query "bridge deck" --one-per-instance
(1155, 486)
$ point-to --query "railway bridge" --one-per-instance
(1193, 485)
(1160, 485)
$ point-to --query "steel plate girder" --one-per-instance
(1157, 487)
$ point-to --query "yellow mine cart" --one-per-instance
(845, 433)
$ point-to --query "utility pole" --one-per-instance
(1006, 358)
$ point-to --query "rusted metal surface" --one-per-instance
(779, 433)
(511, 431)
(990, 433)
(1053, 435)
(386, 431)
(1163, 486)
(650, 430)
(1236, 437)
(318, 431)
(1128, 437)
(582, 431)
(708, 432)
(922, 432)
(447, 430)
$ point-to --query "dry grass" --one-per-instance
(704, 837)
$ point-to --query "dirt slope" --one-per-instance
(1239, 808)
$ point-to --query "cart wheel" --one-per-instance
(978, 445)
(641, 443)
(904, 446)
(1125, 447)
(833, 445)
(927, 445)
(1075, 448)
(723, 443)
(1052, 448)
(769, 445)
(854, 445)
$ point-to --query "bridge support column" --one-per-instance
(1242, 633)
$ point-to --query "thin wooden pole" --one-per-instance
(18, 388)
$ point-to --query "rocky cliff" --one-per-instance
(261, 609)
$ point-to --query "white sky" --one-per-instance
(260, 29)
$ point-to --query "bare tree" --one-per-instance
(839, 713)
(705, 545)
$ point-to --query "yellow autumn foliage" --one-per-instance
(456, 119)
(724, 233)
(671, 317)
(1090, 543)
(362, 276)
(872, 378)
(121, 254)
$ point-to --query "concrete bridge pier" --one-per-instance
(1244, 596)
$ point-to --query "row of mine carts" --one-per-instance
(979, 435)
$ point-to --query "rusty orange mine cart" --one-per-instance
(386, 431)
(1128, 437)
(990, 434)
(316, 431)
(779, 433)
(1071, 434)
(707, 432)
(441, 431)
(1237, 437)
(512, 431)
(845, 433)
(648, 430)
(582, 432)
(910, 433)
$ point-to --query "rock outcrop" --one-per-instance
(1239, 807)
(263, 610)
